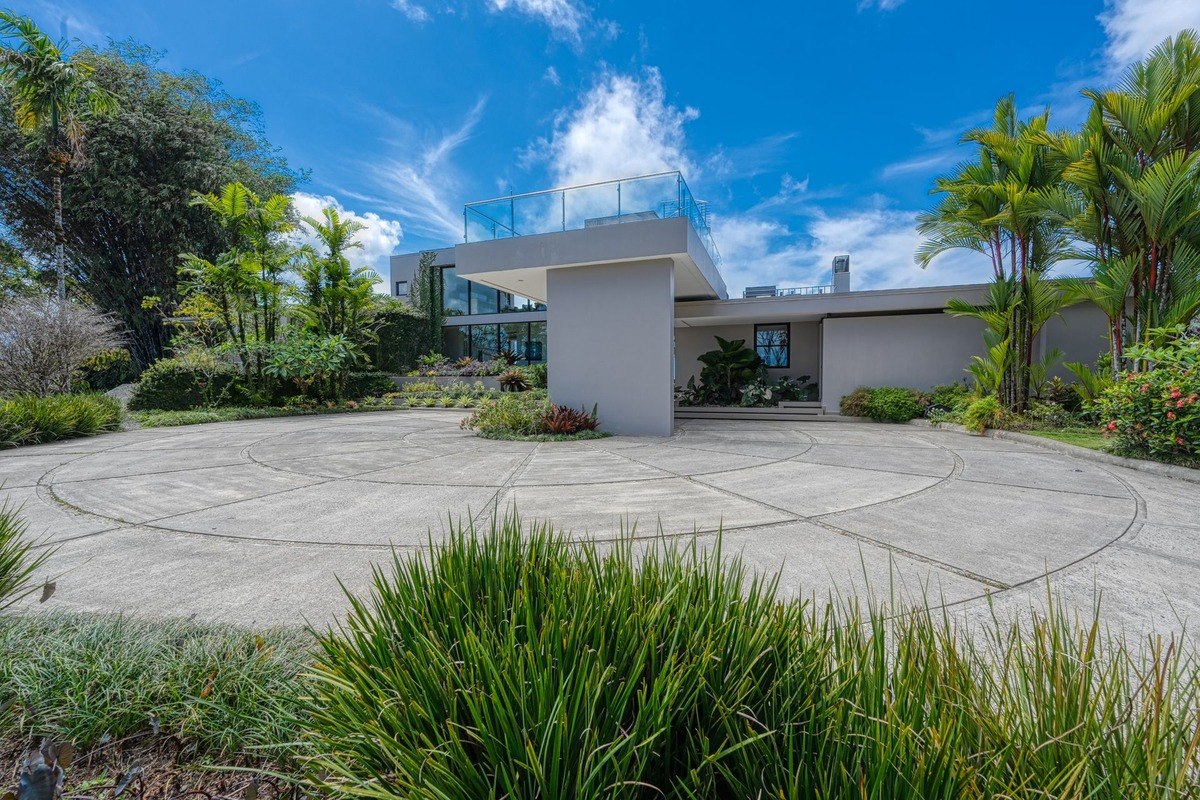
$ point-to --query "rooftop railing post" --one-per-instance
(465, 239)
(618, 201)
(564, 210)
(679, 194)
(512, 216)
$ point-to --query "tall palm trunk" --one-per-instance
(60, 266)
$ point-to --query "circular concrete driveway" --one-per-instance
(252, 521)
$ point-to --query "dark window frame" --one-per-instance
(787, 343)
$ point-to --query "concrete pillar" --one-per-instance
(610, 335)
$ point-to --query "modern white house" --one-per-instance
(617, 286)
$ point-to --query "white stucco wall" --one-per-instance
(913, 350)
(922, 350)
(609, 332)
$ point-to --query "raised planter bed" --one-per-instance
(489, 381)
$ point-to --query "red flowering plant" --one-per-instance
(1156, 411)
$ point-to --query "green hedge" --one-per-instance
(403, 338)
(26, 419)
(177, 384)
(368, 384)
(884, 404)
(1155, 413)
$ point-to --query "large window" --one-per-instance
(485, 342)
(771, 343)
(456, 293)
(461, 297)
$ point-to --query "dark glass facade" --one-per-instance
(484, 342)
(461, 297)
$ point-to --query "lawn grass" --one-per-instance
(226, 693)
(1080, 437)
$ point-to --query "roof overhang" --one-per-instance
(519, 265)
(928, 299)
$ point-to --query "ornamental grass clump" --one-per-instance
(29, 419)
(517, 663)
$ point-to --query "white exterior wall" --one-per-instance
(913, 350)
(609, 342)
(922, 350)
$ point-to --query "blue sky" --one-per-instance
(813, 128)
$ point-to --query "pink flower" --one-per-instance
(1170, 415)
(1145, 387)
(1112, 425)
(1175, 394)
(1179, 404)
(1179, 441)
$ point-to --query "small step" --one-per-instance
(807, 413)
(800, 404)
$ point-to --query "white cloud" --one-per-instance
(379, 238)
(421, 184)
(921, 164)
(623, 127)
(551, 76)
(413, 11)
(882, 5)
(882, 242)
(564, 17)
(1134, 27)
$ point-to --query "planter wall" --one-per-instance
(489, 382)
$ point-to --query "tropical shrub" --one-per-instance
(512, 414)
(1157, 412)
(855, 403)
(947, 396)
(368, 384)
(514, 380)
(194, 380)
(316, 365)
(728, 368)
(46, 343)
(566, 421)
(518, 663)
(894, 404)
(29, 419)
(983, 413)
(538, 375)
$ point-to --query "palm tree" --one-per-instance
(994, 205)
(54, 93)
(338, 295)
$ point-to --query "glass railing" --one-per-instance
(662, 196)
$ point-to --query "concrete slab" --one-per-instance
(1002, 533)
(250, 521)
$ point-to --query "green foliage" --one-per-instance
(368, 384)
(517, 414)
(884, 404)
(983, 413)
(126, 210)
(316, 365)
(1156, 413)
(19, 562)
(195, 380)
(538, 375)
(514, 380)
(530, 415)
(518, 663)
(402, 336)
(170, 419)
(1092, 383)
(107, 370)
(85, 678)
(728, 368)
(425, 294)
(28, 419)
(948, 395)
(894, 404)
(338, 299)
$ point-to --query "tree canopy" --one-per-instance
(128, 210)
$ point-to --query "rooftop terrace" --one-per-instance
(664, 195)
